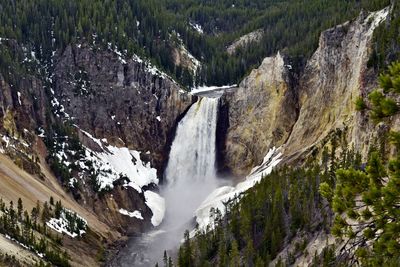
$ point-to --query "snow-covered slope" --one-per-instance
(114, 162)
(223, 194)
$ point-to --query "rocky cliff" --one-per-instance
(332, 80)
(125, 112)
(274, 106)
(22, 111)
(120, 99)
(262, 112)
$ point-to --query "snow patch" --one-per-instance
(156, 203)
(41, 132)
(218, 196)
(19, 98)
(203, 89)
(6, 139)
(197, 27)
(135, 214)
(116, 161)
(62, 225)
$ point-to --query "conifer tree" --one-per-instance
(165, 259)
(234, 255)
(20, 209)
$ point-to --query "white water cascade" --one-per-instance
(192, 156)
(190, 177)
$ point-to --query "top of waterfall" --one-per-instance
(212, 91)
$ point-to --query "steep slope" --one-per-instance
(276, 106)
(262, 112)
(115, 97)
(332, 80)
(18, 184)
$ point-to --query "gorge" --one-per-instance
(120, 148)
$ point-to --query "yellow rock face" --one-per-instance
(262, 112)
(274, 107)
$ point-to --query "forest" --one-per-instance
(284, 205)
(152, 28)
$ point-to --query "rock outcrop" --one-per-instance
(261, 113)
(333, 78)
(274, 108)
(243, 41)
(22, 110)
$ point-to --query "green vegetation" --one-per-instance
(7, 260)
(360, 104)
(63, 145)
(151, 28)
(366, 201)
(30, 230)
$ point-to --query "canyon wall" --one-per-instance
(279, 106)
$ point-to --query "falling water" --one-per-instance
(192, 156)
(190, 177)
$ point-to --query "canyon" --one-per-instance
(123, 109)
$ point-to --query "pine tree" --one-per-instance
(45, 212)
(58, 209)
(234, 255)
(165, 259)
(187, 254)
(20, 209)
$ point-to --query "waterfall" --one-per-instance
(190, 177)
(191, 174)
(192, 155)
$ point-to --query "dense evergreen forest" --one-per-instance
(150, 28)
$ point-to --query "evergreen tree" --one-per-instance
(234, 255)
(20, 209)
(165, 259)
